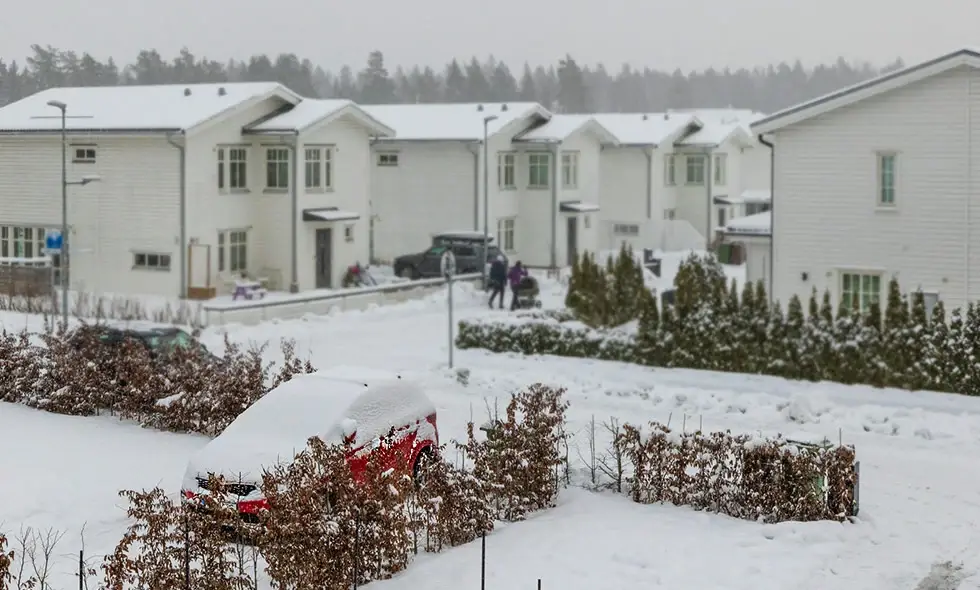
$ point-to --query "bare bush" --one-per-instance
(6, 561)
(519, 458)
(454, 507)
(102, 307)
(756, 479)
(27, 559)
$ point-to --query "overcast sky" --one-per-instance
(656, 33)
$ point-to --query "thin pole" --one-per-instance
(486, 206)
(483, 561)
(81, 569)
(65, 276)
(449, 283)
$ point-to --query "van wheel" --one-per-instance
(424, 458)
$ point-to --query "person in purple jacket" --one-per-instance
(517, 272)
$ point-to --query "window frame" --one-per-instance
(313, 168)
(276, 169)
(719, 169)
(670, 214)
(89, 153)
(689, 159)
(233, 250)
(536, 160)
(349, 233)
(626, 229)
(569, 170)
(880, 179)
(506, 232)
(507, 171)
(164, 261)
(387, 159)
(864, 299)
(237, 175)
(670, 170)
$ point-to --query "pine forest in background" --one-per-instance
(565, 86)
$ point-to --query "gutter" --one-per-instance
(182, 149)
(92, 131)
(649, 154)
(294, 213)
(772, 213)
(556, 164)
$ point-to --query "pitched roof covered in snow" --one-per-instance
(312, 111)
(561, 127)
(451, 122)
(759, 224)
(646, 128)
(868, 89)
(719, 125)
(164, 107)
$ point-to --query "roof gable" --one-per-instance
(452, 122)
(311, 113)
(165, 107)
(720, 125)
(561, 127)
(868, 89)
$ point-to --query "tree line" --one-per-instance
(564, 86)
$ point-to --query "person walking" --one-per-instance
(498, 279)
(515, 275)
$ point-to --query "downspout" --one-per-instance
(649, 154)
(708, 179)
(182, 150)
(294, 226)
(475, 150)
(556, 163)
(772, 216)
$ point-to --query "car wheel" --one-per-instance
(409, 272)
(424, 458)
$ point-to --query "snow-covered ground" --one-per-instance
(920, 502)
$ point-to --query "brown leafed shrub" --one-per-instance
(181, 545)
(325, 529)
(755, 479)
(6, 561)
(453, 505)
(518, 461)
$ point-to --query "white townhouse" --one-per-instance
(881, 180)
(198, 184)
(672, 180)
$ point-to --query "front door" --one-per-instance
(572, 240)
(323, 272)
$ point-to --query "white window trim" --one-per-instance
(688, 168)
(225, 245)
(719, 169)
(670, 170)
(279, 186)
(83, 153)
(507, 162)
(670, 214)
(860, 273)
(146, 256)
(388, 159)
(349, 233)
(324, 164)
(626, 229)
(569, 170)
(547, 168)
(506, 234)
(879, 179)
(223, 155)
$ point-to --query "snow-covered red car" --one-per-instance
(356, 405)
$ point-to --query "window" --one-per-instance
(505, 233)
(886, 179)
(233, 250)
(151, 261)
(221, 169)
(22, 242)
(722, 214)
(328, 168)
(695, 169)
(720, 169)
(506, 164)
(276, 168)
(387, 158)
(626, 229)
(930, 299)
(83, 154)
(537, 170)
(587, 222)
(569, 170)
(670, 170)
(349, 233)
(754, 208)
(314, 168)
(858, 291)
(238, 168)
(670, 214)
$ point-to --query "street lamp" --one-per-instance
(64, 205)
(486, 200)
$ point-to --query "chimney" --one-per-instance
(645, 117)
(666, 116)
(479, 108)
(187, 91)
(222, 91)
(503, 108)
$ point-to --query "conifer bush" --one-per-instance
(717, 326)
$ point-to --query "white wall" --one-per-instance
(134, 208)
(825, 214)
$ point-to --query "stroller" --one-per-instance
(527, 293)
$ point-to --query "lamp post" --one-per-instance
(64, 205)
(486, 200)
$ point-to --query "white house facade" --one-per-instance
(881, 180)
(191, 193)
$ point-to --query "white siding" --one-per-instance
(134, 208)
(587, 147)
(825, 214)
(757, 251)
(535, 212)
(623, 195)
(431, 190)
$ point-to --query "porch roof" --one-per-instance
(329, 214)
(759, 224)
(577, 207)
